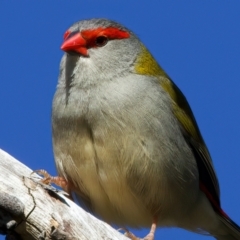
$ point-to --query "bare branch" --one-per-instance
(29, 211)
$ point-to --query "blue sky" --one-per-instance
(196, 42)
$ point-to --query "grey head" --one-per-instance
(97, 50)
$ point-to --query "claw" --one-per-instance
(150, 235)
(48, 179)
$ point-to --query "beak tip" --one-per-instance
(75, 43)
(63, 47)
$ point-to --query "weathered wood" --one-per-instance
(30, 211)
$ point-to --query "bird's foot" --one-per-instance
(48, 179)
(59, 181)
(150, 235)
(130, 235)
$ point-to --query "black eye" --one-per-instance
(101, 41)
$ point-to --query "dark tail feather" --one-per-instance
(231, 227)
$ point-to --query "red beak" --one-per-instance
(75, 43)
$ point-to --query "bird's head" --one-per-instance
(103, 49)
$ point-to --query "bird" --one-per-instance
(125, 139)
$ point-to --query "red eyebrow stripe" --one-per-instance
(110, 33)
(66, 34)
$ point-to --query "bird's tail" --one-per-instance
(232, 229)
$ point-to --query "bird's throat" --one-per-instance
(71, 61)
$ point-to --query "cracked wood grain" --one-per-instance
(29, 210)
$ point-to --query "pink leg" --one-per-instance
(59, 181)
(150, 235)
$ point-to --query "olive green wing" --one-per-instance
(192, 134)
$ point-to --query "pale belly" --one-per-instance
(118, 178)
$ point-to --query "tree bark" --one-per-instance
(30, 210)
